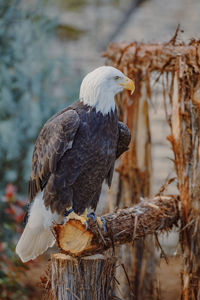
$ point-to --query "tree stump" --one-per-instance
(77, 276)
(85, 278)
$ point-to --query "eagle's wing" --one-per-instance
(122, 146)
(55, 139)
(123, 140)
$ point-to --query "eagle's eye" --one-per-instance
(117, 77)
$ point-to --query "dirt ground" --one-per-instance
(168, 275)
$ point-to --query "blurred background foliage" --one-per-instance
(12, 211)
(34, 84)
(45, 47)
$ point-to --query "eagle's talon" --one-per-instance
(100, 220)
(71, 215)
(68, 212)
(86, 225)
(103, 223)
(92, 216)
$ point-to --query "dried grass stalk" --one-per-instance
(182, 63)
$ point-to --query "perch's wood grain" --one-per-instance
(125, 225)
(80, 279)
(74, 238)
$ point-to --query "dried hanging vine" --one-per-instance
(179, 64)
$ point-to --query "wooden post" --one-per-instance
(86, 278)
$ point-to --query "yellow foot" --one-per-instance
(71, 215)
(101, 223)
(82, 218)
(100, 220)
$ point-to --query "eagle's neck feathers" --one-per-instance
(100, 100)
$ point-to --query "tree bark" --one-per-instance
(86, 278)
(126, 225)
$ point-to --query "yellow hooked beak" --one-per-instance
(128, 84)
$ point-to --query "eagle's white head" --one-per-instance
(99, 87)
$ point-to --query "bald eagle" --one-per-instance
(74, 153)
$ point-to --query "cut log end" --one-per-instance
(73, 238)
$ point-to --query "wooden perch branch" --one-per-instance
(125, 225)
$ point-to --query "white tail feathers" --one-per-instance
(32, 244)
(37, 236)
